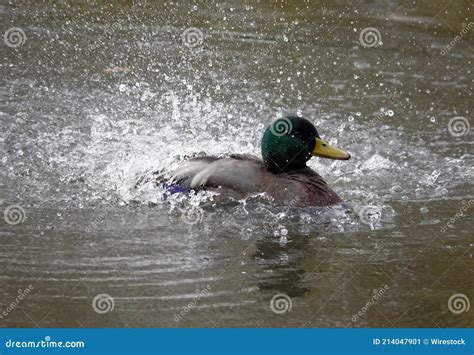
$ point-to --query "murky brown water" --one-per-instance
(96, 93)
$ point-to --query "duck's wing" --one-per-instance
(241, 173)
(192, 165)
(187, 170)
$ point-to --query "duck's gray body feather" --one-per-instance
(240, 175)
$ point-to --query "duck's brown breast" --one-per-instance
(301, 188)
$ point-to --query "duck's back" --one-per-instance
(240, 175)
(233, 175)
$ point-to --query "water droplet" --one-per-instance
(419, 192)
(245, 235)
(396, 189)
(390, 113)
(424, 210)
(350, 118)
(441, 191)
(388, 211)
(432, 119)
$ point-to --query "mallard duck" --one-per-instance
(287, 144)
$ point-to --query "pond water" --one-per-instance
(95, 94)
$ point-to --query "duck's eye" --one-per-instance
(324, 145)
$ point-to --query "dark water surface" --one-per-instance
(98, 92)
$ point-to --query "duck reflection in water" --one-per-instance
(280, 264)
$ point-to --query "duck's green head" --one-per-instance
(289, 142)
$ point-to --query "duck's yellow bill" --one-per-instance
(325, 150)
